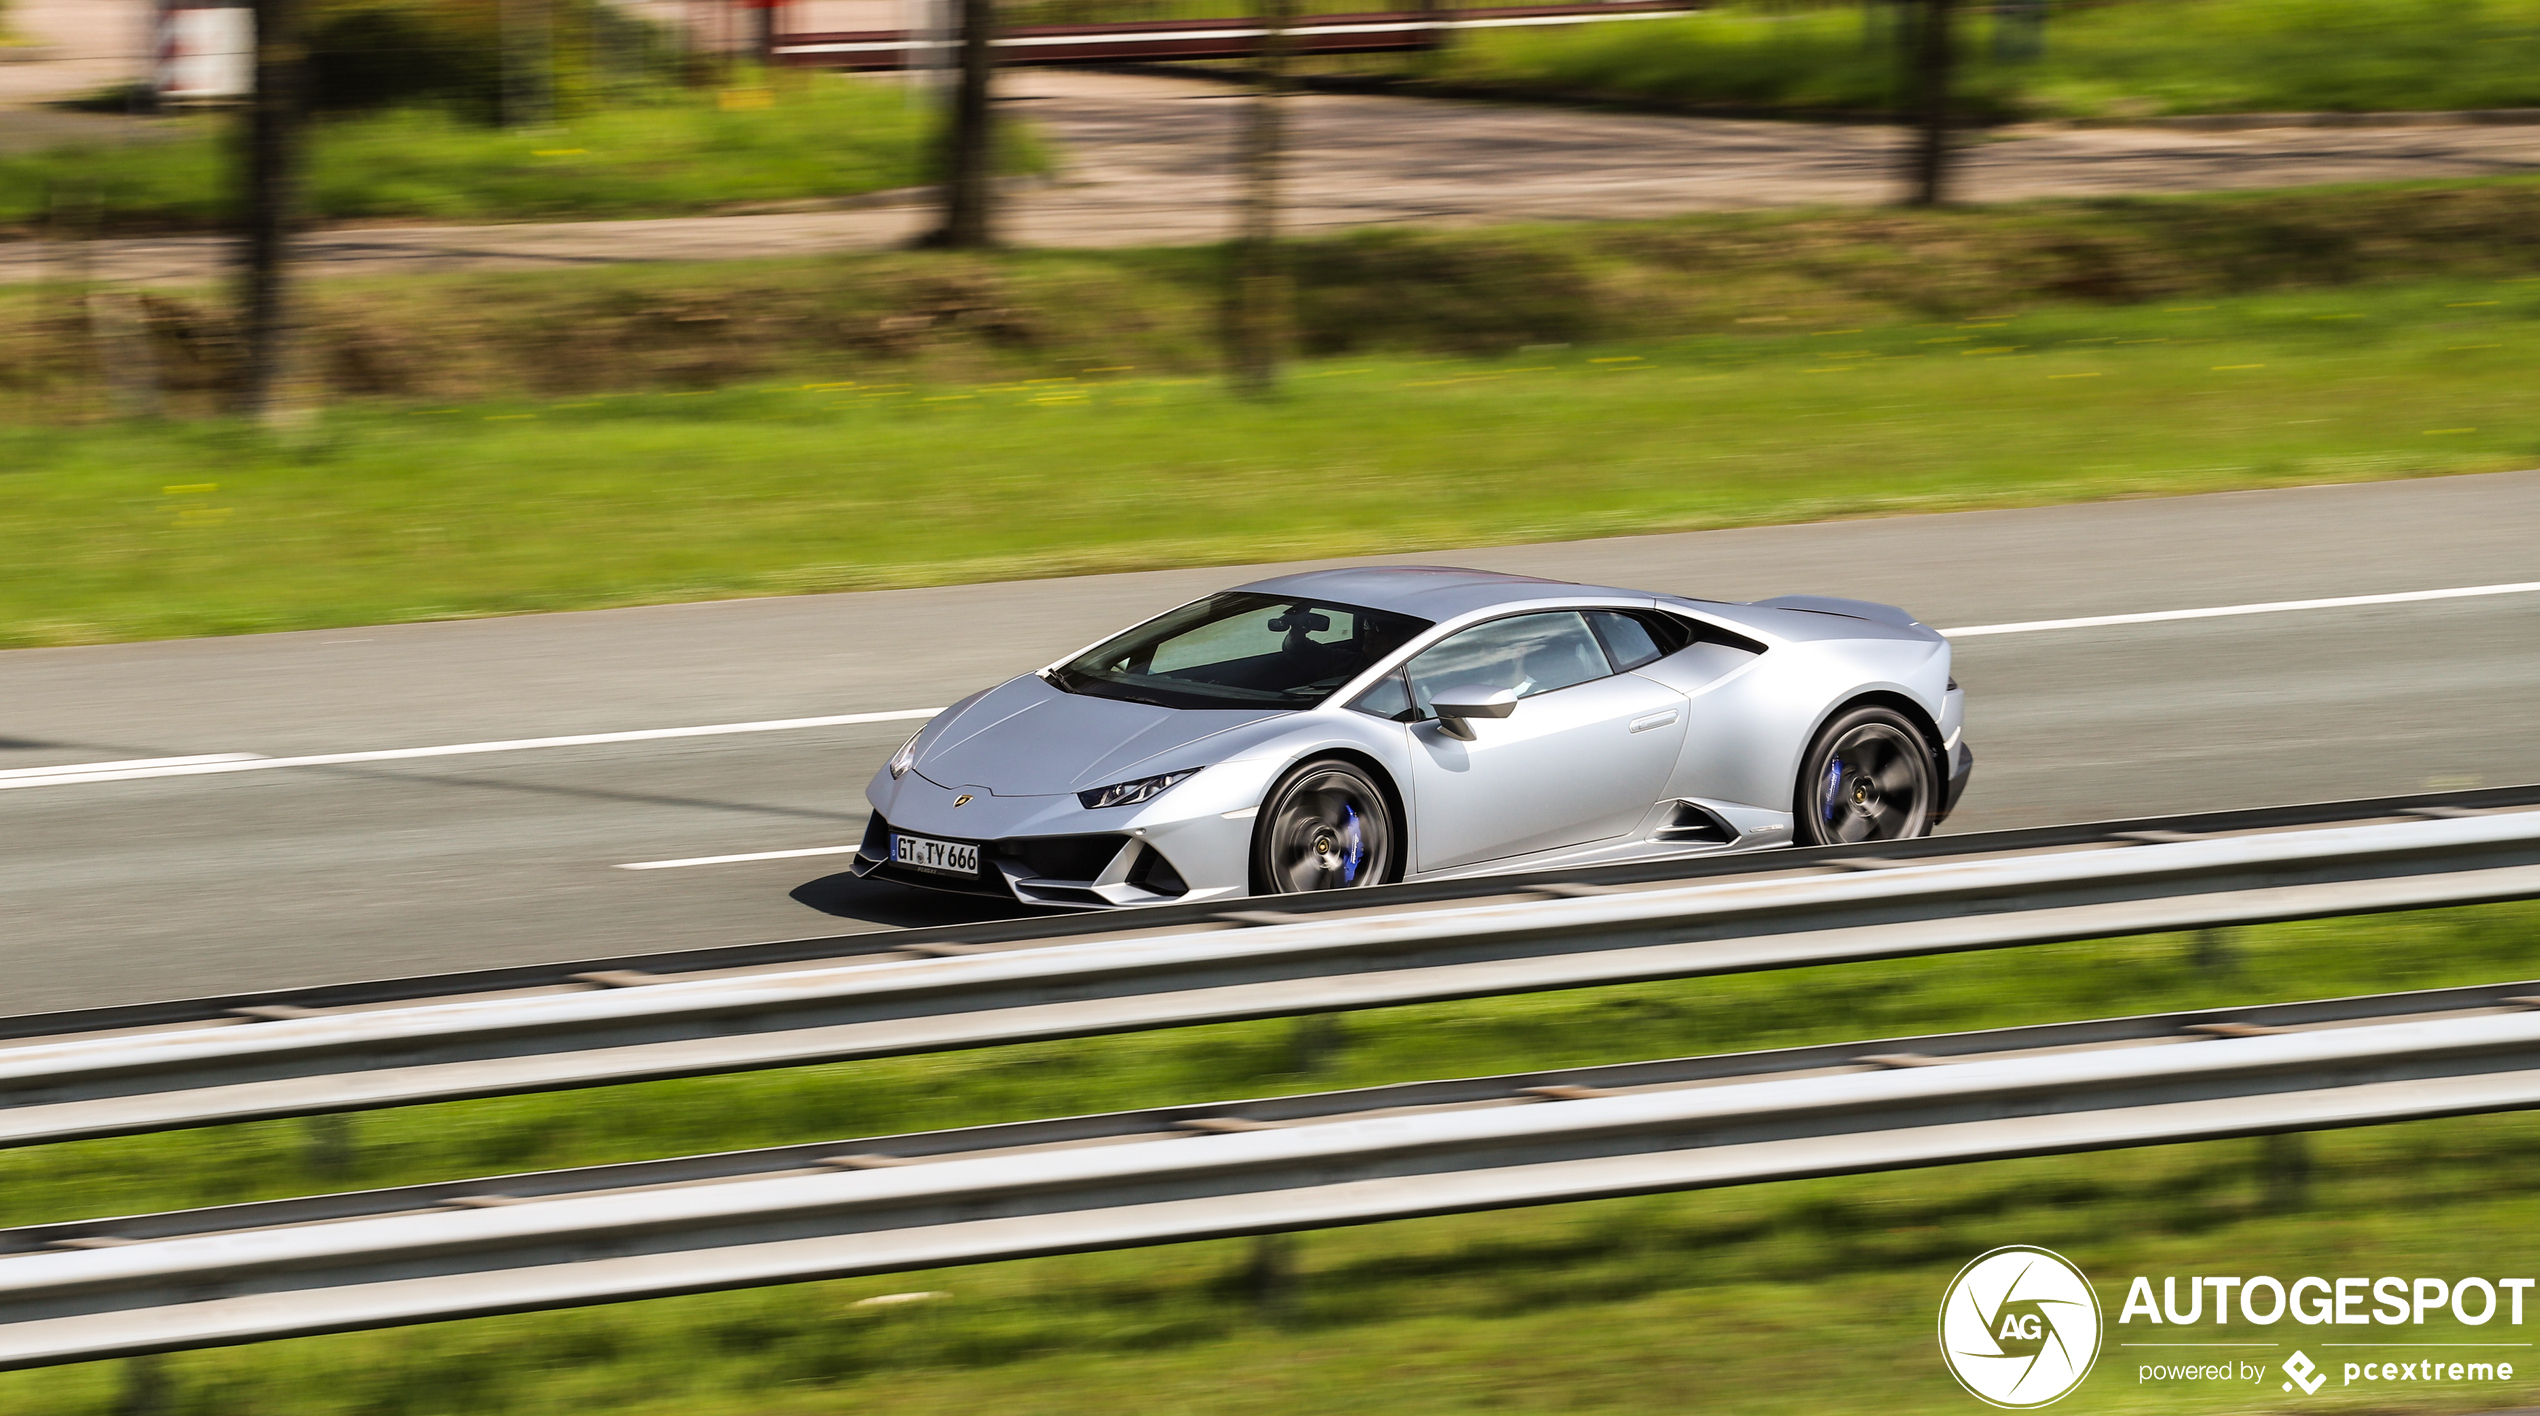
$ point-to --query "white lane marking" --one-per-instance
(81, 772)
(2269, 608)
(735, 859)
(127, 771)
(136, 764)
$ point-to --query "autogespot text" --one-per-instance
(2461, 1306)
(2265, 1301)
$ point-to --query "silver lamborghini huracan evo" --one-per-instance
(1353, 727)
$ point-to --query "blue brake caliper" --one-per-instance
(1357, 844)
(1834, 789)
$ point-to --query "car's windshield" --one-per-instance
(1240, 650)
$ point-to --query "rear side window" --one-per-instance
(1636, 637)
(1628, 641)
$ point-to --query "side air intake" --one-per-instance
(1695, 823)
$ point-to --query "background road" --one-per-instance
(126, 890)
(1149, 160)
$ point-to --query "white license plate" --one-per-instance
(943, 857)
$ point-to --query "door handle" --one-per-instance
(1654, 720)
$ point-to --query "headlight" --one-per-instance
(1130, 793)
(907, 754)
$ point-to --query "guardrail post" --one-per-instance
(1271, 1278)
(326, 1145)
(144, 1391)
(2286, 1162)
(1314, 1043)
(2213, 954)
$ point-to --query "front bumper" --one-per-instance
(1099, 870)
(1962, 765)
(1190, 844)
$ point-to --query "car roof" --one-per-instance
(1432, 592)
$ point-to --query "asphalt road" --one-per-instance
(126, 890)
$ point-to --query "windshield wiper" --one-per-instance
(1105, 686)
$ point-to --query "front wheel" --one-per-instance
(1867, 777)
(1325, 826)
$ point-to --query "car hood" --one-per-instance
(1026, 738)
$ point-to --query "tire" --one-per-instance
(1325, 826)
(1869, 776)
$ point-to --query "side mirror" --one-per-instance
(1456, 705)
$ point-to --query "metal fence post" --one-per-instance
(2213, 952)
(1314, 1043)
(2286, 1163)
(144, 1388)
(327, 1145)
(1271, 1278)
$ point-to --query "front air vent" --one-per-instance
(1061, 857)
(1156, 875)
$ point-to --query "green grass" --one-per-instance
(821, 137)
(2134, 59)
(384, 513)
(1793, 1297)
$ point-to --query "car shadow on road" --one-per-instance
(901, 906)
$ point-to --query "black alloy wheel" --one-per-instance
(1325, 826)
(1869, 776)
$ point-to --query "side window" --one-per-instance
(1529, 653)
(1388, 699)
(1627, 639)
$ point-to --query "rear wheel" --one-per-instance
(1867, 777)
(1325, 826)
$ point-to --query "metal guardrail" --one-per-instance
(1824, 909)
(594, 974)
(1385, 32)
(243, 1273)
